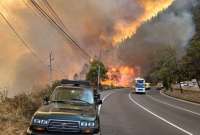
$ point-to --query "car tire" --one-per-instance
(98, 133)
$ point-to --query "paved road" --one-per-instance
(123, 113)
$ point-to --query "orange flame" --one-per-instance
(120, 76)
(151, 8)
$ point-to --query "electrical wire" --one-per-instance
(66, 35)
(19, 37)
(23, 41)
(54, 14)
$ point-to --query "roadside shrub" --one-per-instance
(25, 105)
(3, 95)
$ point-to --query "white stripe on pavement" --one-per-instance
(104, 98)
(177, 107)
(159, 117)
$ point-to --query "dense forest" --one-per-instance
(196, 14)
(170, 69)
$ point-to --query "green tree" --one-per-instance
(92, 75)
(192, 61)
(196, 18)
(167, 68)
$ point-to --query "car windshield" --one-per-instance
(140, 81)
(73, 95)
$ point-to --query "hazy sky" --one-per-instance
(94, 24)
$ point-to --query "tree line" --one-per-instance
(170, 68)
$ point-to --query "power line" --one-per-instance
(30, 7)
(41, 15)
(54, 14)
(66, 35)
(57, 18)
(23, 41)
(19, 37)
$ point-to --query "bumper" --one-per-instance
(140, 91)
(29, 132)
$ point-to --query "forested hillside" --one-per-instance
(170, 69)
(196, 12)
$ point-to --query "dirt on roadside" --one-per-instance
(192, 96)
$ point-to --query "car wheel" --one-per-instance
(98, 133)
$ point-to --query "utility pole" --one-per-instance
(99, 71)
(51, 59)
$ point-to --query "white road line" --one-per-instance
(159, 117)
(174, 106)
(104, 98)
(179, 99)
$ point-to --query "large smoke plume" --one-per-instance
(95, 25)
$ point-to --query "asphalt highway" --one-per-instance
(126, 113)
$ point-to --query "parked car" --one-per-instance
(159, 86)
(71, 109)
(184, 84)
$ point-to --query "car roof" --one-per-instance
(75, 87)
(77, 83)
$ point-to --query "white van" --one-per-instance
(140, 85)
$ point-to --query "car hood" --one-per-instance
(66, 111)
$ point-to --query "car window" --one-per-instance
(64, 94)
(140, 81)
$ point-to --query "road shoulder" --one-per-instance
(180, 98)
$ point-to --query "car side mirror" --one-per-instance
(99, 102)
(97, 96)
(45, 100)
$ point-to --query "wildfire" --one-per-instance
(151, 8)
(120, 76)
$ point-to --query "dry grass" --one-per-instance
(13, 128)
(193, 96)
(16, 113)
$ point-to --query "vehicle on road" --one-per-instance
(140, 85)
(159, 86)
(147, 86)
(71, 109)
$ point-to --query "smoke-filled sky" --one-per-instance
(127, 32)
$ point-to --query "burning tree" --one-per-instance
(121, 76)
